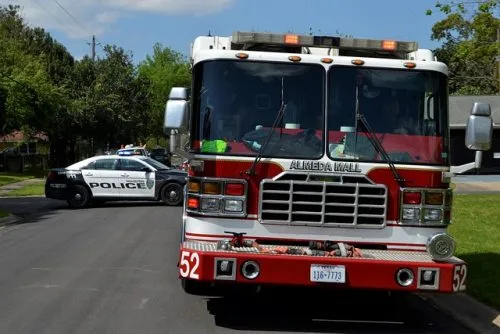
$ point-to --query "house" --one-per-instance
(16, 142)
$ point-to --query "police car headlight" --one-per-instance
(233, 205)
(441, 246)
(210, 204)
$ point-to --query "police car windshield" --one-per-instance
(156, 164)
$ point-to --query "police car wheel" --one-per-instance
(79, 197)
(171, 194)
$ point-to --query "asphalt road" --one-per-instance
(113, 270)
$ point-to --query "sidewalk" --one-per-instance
(4, 190)
(467, 185)
(18, 185)
(466, 310)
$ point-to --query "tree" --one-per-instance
(104, 102)
(165, 69)
(35, 71)
(119, 99)
(469, 33)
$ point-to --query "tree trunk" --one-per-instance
(58, 156)
(71, 154)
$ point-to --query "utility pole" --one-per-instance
(498, 59)
(92, 45)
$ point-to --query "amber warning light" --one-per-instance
(291, 39)
(245, 38)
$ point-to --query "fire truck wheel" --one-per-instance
(396, 297)
(171, 194)
(196, 288)
(79, 197)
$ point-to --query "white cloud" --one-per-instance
(95, 16)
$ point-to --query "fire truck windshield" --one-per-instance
(235, 104)
(407, 111)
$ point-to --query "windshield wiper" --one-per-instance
(277, 121)
(375, 141)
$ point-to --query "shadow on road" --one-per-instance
(121, 204)
(38, 209)
(320, 312)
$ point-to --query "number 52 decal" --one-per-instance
(459, 277)
(189, 264)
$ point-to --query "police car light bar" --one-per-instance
(323, 41)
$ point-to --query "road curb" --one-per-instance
(10, 219)
(466, 310)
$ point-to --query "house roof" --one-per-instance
(18, 136)
(460, 108)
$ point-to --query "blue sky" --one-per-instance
(136, 25)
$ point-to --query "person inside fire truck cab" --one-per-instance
(394, 119)
(207, 124)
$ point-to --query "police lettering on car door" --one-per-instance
(129, 184)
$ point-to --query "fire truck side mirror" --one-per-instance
(479, 129)
(176, 110)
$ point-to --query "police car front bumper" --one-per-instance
(56, 191)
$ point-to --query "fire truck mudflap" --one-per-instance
(367, 269)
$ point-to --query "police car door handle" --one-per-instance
(125, 175)
(89, 174)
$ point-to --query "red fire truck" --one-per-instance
(318, 161)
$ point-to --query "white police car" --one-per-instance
(133, 150)
(116, 178)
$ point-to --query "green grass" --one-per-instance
(476, 229)
(34, 189)
(7, 178)
(3, 214)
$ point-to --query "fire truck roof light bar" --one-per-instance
(323, 41)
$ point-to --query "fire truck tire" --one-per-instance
(397, 296)
(196, 288)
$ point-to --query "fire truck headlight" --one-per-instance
(411, 214)
(433, 214)
(210, 204)
(233, 205)
(441, 246)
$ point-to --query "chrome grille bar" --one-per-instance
(346, 202)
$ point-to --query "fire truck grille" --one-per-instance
(339, 202)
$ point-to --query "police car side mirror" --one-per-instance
(146, 169)
(479, 129)
(176, 110)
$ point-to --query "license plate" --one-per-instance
(327, 273)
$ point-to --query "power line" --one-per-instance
(55, 17)
(70, 15)
(93, 43)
